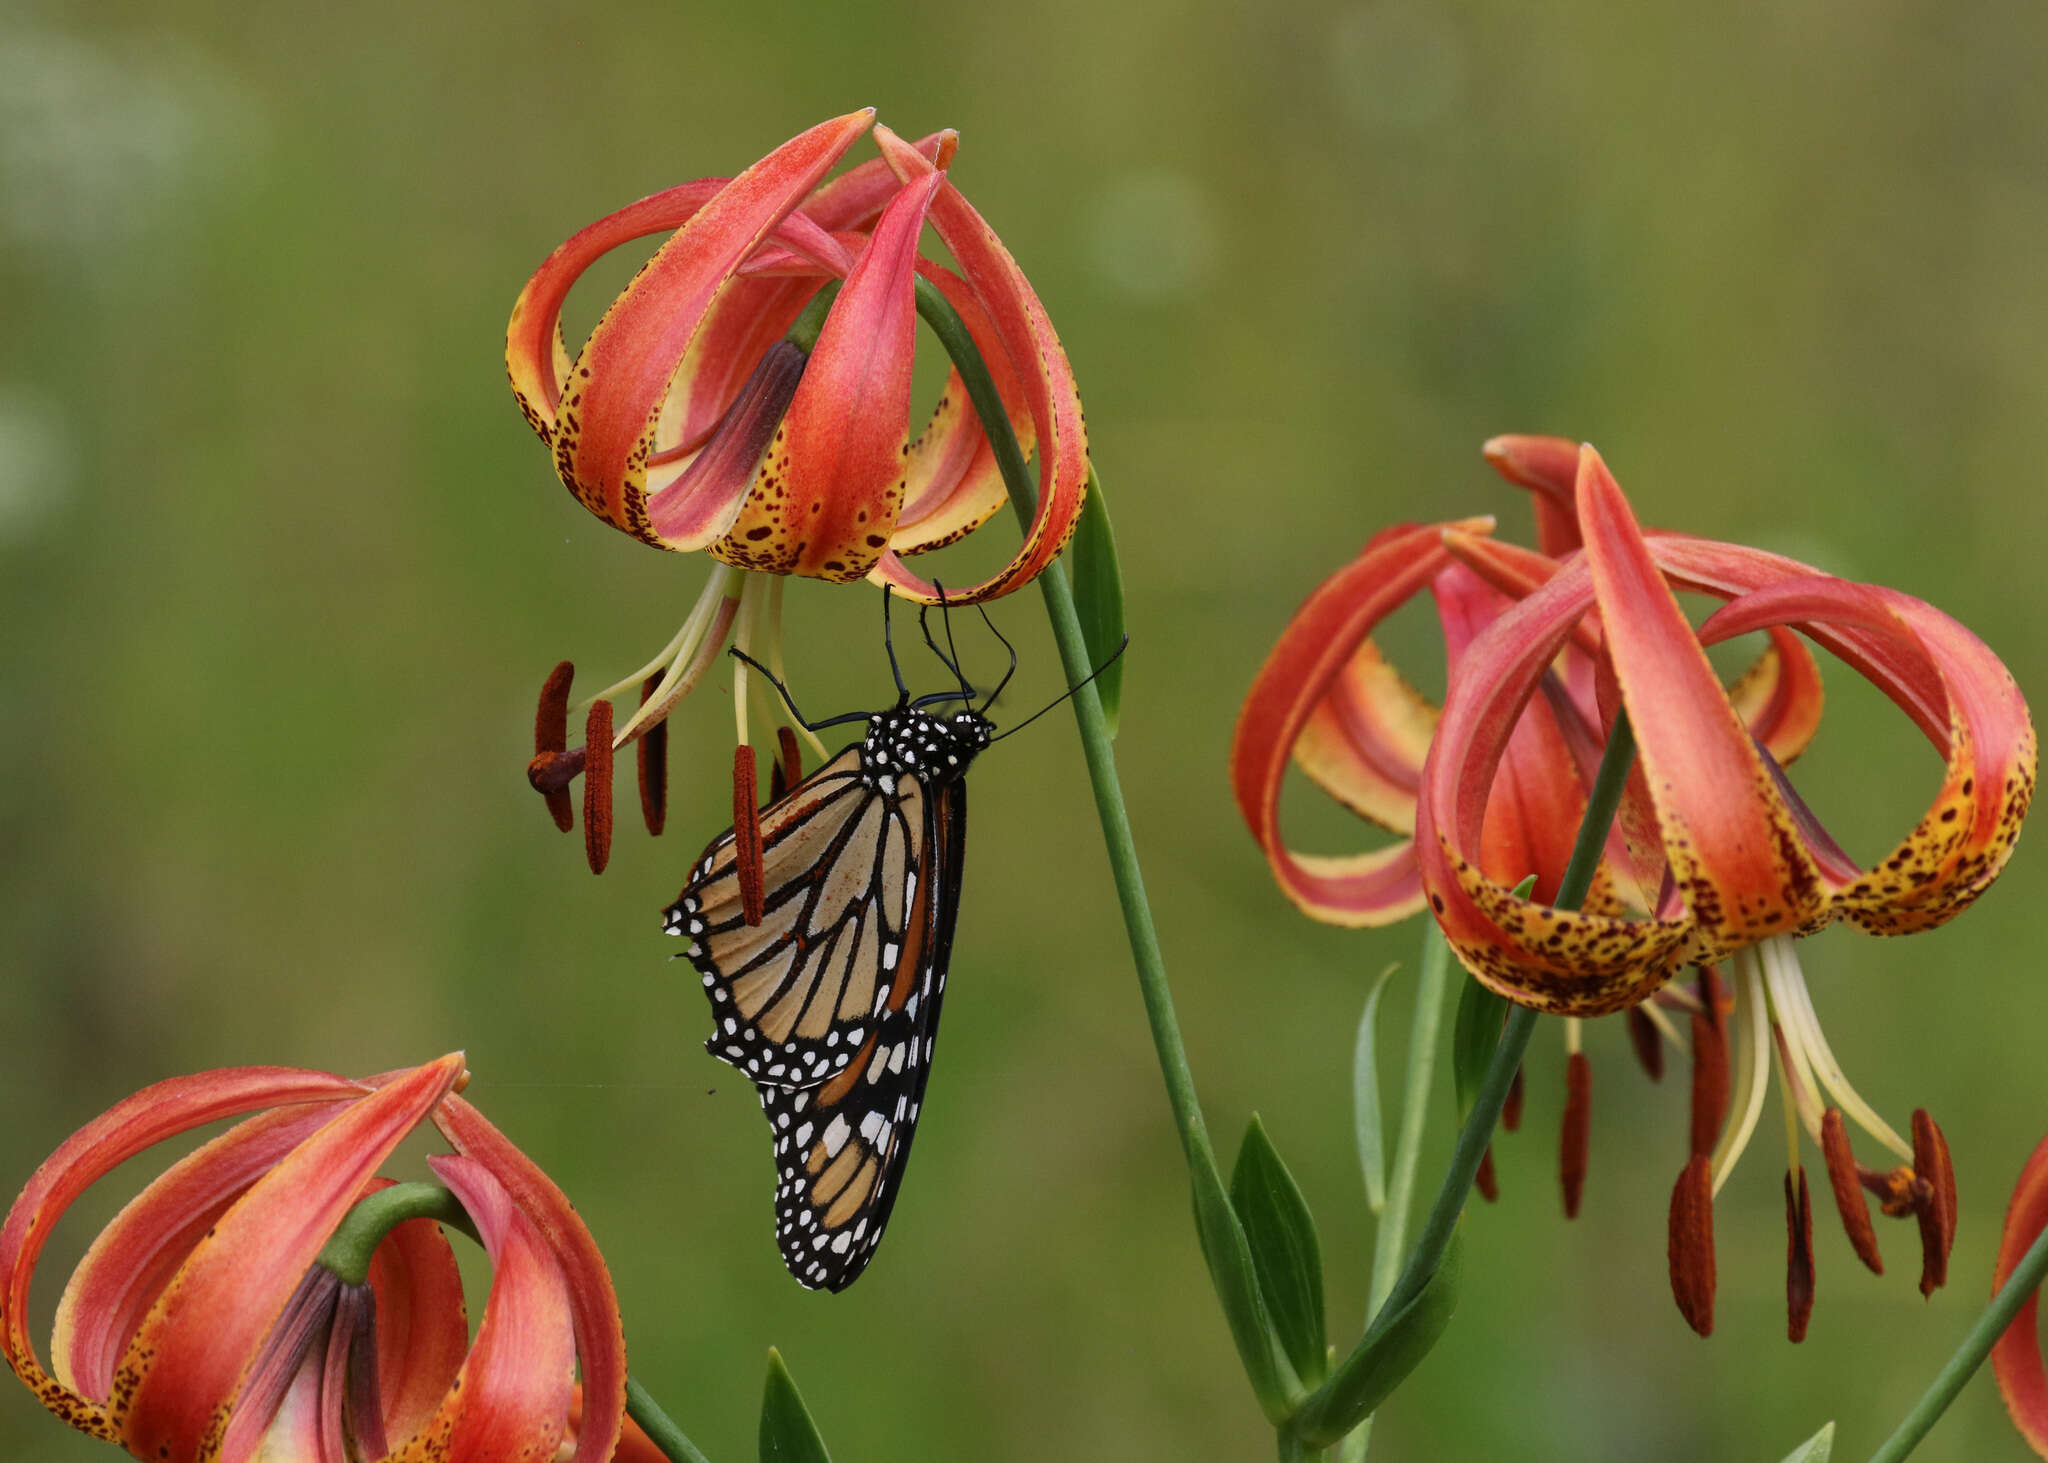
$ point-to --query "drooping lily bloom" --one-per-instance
(749, 394)
(2016, 1358)
(1739, 864)
(1330, 702)
(202, 1324)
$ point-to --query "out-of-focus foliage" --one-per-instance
(281, 569)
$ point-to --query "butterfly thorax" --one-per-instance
(935, 750)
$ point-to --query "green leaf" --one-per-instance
(1477, 1033)
(1286, 1257)
(1365, 1099)
(787, 1433)
(1233, 1273)
(1815, 1449)
(1099, 597)
(1393, 1347)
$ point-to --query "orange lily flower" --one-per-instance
(1739, 865)
(749, 394)
(1329, 701)
(202, 1325)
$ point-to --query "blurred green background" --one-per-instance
(281, 569)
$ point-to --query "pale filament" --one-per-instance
(687, 657)
(1753, 1059)
(1803, 1036)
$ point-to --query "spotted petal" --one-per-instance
(2016, 1357)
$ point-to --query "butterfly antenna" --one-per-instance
(991, 699)
(1063, 695)
(790, 701)
(889, 644)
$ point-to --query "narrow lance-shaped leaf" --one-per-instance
(787, 1433)
(1365, 1098)
(1815, 1449)
(1367, 1377)
(1231, 1270)
(1286, 1256)
(1099, 597)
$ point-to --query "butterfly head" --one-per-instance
(934, 749)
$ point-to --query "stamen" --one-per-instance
(1484, 1180)
(695, 649)
(746, 833)
(1849, 1200)
(1709, 1064)
(551, 743)
(1798, 1258)
(1795, 1009)
(1511, 1110)
(1691, 1246)
(1937, 1214)
(651, 762)
(1573, 1141)
(775, 588)
(788, 770)
(1643, 1036)
(597, 786)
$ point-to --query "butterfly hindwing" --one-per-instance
(841, 1147)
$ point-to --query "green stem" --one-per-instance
(1477, 1132)
(2024, 1280)
(1430, 990)
(1223, 1240)
(659, 1427)
(945, 322)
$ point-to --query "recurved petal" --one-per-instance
(180, 1373)
(613, 396)
(829, 489)
(1733, 846)
(1040, 363)
(134, 1257)
(510, 1403)
(1549, 468)
(117, 1135)
(952, 483)
(600, 1337)
(1572, 963)
(1365, 741)
(1963, 841)
(2016, 1358)
(1300, 675)
(422, 1324)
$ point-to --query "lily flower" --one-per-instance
(206, 1323)
(1740, 867)
(749, 394)
(1329, 701)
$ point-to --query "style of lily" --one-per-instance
(1329, 701)
(213, 1319)
(749, 395)
(1737, 865)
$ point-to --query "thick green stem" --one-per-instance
(2024, 1280)
(945, 323)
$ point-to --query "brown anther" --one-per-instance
(1573, 1139)
(1709, 1080)
(597, 785)
(1691, 1248)
(1642, 1034)
(1849, 1200)
(651, 761)
(746, 833)
(1937, 1213)
(1798, 1257)
(1484, 1181)
(1511, 1110)
(788, 770)
(550, 743)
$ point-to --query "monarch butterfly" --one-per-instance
(830, 1003)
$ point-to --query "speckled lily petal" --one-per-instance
(2016, 1358)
